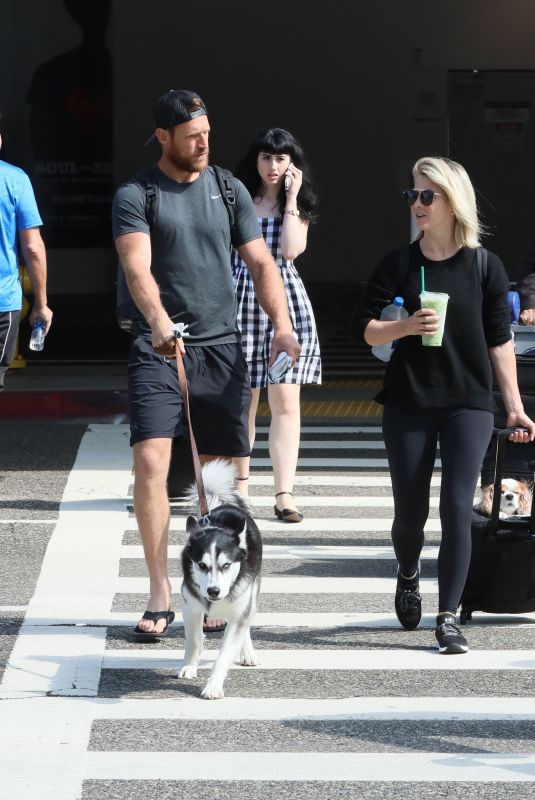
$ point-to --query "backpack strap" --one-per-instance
(152, 203)
(127, 312)
(225, 181)
(147, 180)
(481, 265)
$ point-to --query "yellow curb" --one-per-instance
(332, 408)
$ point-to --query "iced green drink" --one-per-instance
(438, 301)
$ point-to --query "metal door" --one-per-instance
(493, 136)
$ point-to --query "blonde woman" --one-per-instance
(443, 393)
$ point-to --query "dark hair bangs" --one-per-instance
(276, 141)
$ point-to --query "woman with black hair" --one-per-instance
(276, 175)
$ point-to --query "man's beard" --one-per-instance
(189, 163)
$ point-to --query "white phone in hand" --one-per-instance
(280, 367)
(287, 179)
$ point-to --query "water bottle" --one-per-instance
(37, 339)
(513, 301)
(393, 312)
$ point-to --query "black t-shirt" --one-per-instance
(458, 374)
(190, 246)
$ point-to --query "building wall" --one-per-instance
(363, 85)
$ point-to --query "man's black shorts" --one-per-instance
(219, 396)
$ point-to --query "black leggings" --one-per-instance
(411, 441)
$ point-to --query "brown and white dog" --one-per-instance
(515, 498)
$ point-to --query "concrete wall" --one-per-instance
(351, 79)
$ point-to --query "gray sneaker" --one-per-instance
(450, 640)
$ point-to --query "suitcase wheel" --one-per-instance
(465, 616)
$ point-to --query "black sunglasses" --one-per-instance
(426, 196)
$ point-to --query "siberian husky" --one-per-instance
(221, 567)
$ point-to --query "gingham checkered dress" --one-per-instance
(256, 327)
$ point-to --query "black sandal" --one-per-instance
(287, 514)
(212, 628)
(154, 616)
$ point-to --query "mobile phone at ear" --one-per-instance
(287, 179)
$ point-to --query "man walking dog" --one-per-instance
(177, 267)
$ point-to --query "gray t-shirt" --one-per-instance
(190, 245)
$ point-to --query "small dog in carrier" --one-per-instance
(516, 498)
(221, 575)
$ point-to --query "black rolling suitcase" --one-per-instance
(501, 577)
(524, 344)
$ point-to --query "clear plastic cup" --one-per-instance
(438, 301)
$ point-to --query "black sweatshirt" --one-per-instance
(458, 374)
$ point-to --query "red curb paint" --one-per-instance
(62, 405)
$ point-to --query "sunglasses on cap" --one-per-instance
(426, 196)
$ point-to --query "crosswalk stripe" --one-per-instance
(328, 501)
(317, 524)
(380, 660)
(319, 444)
(299, 585)
(370, 708)
(331, 463)
(66, 646)
(357, 481)
(270, 551)
(327, 620)
(335, 767)
(306, 430)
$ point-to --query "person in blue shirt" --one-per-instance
(20, 237)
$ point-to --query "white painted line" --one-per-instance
(304, 552)
(44, 744)
(380, 660)
(334, 463)
(346, 708)
(323, 501)
(337, 501)
(330, 620)
(48, 521)
(43, 757)
(299, 585)
(334, 444)
(318, 524)
(440, 768)
(333, 429)
(319, 479)
(60, 661)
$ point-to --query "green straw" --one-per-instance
(422, 278)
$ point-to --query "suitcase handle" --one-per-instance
(501, 435)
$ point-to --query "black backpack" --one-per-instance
(127, 311)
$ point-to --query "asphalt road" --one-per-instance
(344, 703)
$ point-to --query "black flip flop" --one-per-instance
(154, 616)
(211, 628)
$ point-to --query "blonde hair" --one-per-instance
(453, 179)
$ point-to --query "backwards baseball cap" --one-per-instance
(173, 108)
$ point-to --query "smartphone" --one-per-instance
(287, 179)
(280, 367)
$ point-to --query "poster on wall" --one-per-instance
(71, 132)
(508, 120)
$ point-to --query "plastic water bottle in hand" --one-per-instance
(37, 339)
(392, 313)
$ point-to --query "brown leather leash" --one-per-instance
(183, 383)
